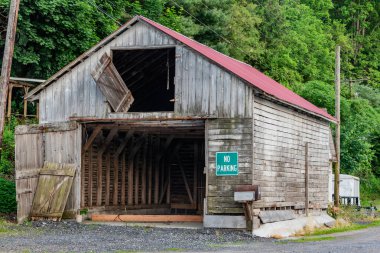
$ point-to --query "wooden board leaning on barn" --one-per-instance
(53, 188)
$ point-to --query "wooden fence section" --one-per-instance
(280, 136)
(59, 143)
(227, 135)
(54, 184)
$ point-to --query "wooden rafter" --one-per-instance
(90, 140)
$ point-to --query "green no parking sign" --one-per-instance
(227, 163)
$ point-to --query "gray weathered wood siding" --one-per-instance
(201, 88)
(205, 89)
(227, 135)
(59, 143)
(76, 93)
(280, 136)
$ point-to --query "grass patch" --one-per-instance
(4, 227)
(313, 239)
(174, 249)
(340, 229)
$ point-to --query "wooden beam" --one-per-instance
(150, 174)
(147, 218)
(143, 173)
(9, 112)
(123, 174)
(99, 179)
(115, 180)
(108, 177)
(124, 143)
(101, 150)
(196, 161)
(181, 167)
(307, 179)
(90, 140)
(89, 191)
(108, 140)
(26, 89)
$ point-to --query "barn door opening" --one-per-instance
(144, 168)
(149, 75)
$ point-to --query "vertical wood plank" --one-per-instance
(115, 181)
(89, 191)
(130, 181)
(108, 178)
(123, 175)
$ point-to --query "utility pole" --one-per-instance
(337, 134)
(7, 62)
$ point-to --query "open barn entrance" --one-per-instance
(143, 168)
(149, 75)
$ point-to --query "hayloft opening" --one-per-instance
(149, 75)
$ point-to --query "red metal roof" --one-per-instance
(246, 72)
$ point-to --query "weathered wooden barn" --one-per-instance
(157, 123)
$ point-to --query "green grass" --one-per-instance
(351, 227)
(313, 239)
(174, 249)
(4, 227)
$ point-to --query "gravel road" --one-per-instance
(74, 237)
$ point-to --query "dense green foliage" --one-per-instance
(7, 196)
(293, 41)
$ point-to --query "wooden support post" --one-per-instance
(37, 111)
(150, 175)
(181, 167)
(307, 179)
(101, 150)
(168, 187)
(196, 159)
(108, 178)
(247, 206)
(7, 62)
(130, 181)
(156, 183)
(26, 89)
(123, 174)
(89, 191)
(137, 181)
(9, 112)
(131, 164)
(99, 179)
(115, 180)
(337, 133)
(143, 174)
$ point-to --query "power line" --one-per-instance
(104, 12)
(219, 35)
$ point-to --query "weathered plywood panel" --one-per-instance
(227, 135)
(280, 136)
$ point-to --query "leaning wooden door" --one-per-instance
(54, 185)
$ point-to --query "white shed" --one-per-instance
(349, 189)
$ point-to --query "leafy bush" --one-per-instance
(7, 196)
(7, 152)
